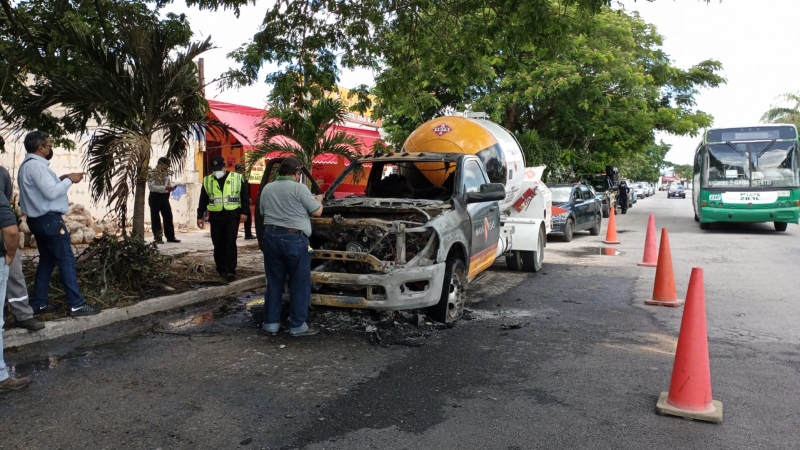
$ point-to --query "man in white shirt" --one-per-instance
(159, 183)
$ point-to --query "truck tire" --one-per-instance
(607, 212)
(569, 230)
(598, 225)
(780, 226)
(528, 261)
(454, 293)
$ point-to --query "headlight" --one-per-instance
(561, 217)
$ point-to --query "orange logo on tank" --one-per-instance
(441, 130)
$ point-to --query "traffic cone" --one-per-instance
(689, 393)
(664, 288)
(650, 251)
(611, 232)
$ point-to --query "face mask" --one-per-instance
(49, 155)
(219, 173)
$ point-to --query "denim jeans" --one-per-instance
(286, 254)
(55, 249)
(3, 281)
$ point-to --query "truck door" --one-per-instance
(592, 208)
(484, 217)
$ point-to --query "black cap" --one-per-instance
(163, 160)
(290, 165)
(217, 163)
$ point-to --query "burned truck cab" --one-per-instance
(406, 242)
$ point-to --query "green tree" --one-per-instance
(304, 134)
(683, 171)
(784, 114)
(140, 86)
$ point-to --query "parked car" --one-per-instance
(676, 190)
(652, 188)
(663, 187)
(639, 190)
(607, 193)
(583, 210)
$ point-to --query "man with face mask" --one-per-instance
(43, 198)
(225, 198)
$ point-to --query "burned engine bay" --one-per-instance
(369, 240)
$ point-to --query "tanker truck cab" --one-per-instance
(426, 224)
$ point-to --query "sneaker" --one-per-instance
(12, 384)
(309, 332)
(173, 241)
(30, 324)
(84, 310)
(48, 308)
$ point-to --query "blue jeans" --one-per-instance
(55, 249)
(3, 281)
(286, 254)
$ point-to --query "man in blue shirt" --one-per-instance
(43, 198)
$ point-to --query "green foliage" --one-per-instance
(304, 134)
(123, 263)
(683, 171)
(133, 76)
(784, 114)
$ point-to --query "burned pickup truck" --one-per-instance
(425, 225)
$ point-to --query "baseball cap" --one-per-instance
(290, 165)
(217, 163)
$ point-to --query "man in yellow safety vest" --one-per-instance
(226, 200)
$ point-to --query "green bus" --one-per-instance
(747, 174)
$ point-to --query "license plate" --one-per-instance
(749, 196)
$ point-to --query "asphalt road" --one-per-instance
(583, 370)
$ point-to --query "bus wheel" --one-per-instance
(780, 226)
(705, 225)
(696, 219)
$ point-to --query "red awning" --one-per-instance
(243, 119)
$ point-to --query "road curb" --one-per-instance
(62, 327)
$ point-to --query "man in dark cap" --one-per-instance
(225, 198)
(159, 181)
(248, 223)
(287, 205)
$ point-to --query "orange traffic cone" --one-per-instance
(650, 252)
(664, 288)
(611, 233)
(689, 393)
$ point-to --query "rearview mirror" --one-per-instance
(490, 192)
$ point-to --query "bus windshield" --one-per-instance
(752, 164)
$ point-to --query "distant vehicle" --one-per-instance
(605, 192)
(748, 174)
(583, 210)
(663, 187)
(676, 190)
(641, 190)
(652, 188)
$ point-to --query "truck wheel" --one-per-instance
(454, 293)
(598, 225)
(568, 231)
(780, 226)
(607, 212)
(528, 261)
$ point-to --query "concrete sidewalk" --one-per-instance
(197, 245)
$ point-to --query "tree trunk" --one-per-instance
(138, 207)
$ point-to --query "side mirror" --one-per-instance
(491, 192)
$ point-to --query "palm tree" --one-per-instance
(305, 134)
(139, 88)
(783, 114)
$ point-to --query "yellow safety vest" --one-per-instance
(229, 197)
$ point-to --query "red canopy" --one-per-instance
(243, 119)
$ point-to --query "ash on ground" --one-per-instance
(408, 328)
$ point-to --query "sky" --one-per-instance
(749, 37)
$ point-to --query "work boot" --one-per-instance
(230, 276)
(30, 324)
(173, 240)
(12, 384)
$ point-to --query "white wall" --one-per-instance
(64, 161)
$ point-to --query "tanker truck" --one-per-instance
(431, 218)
